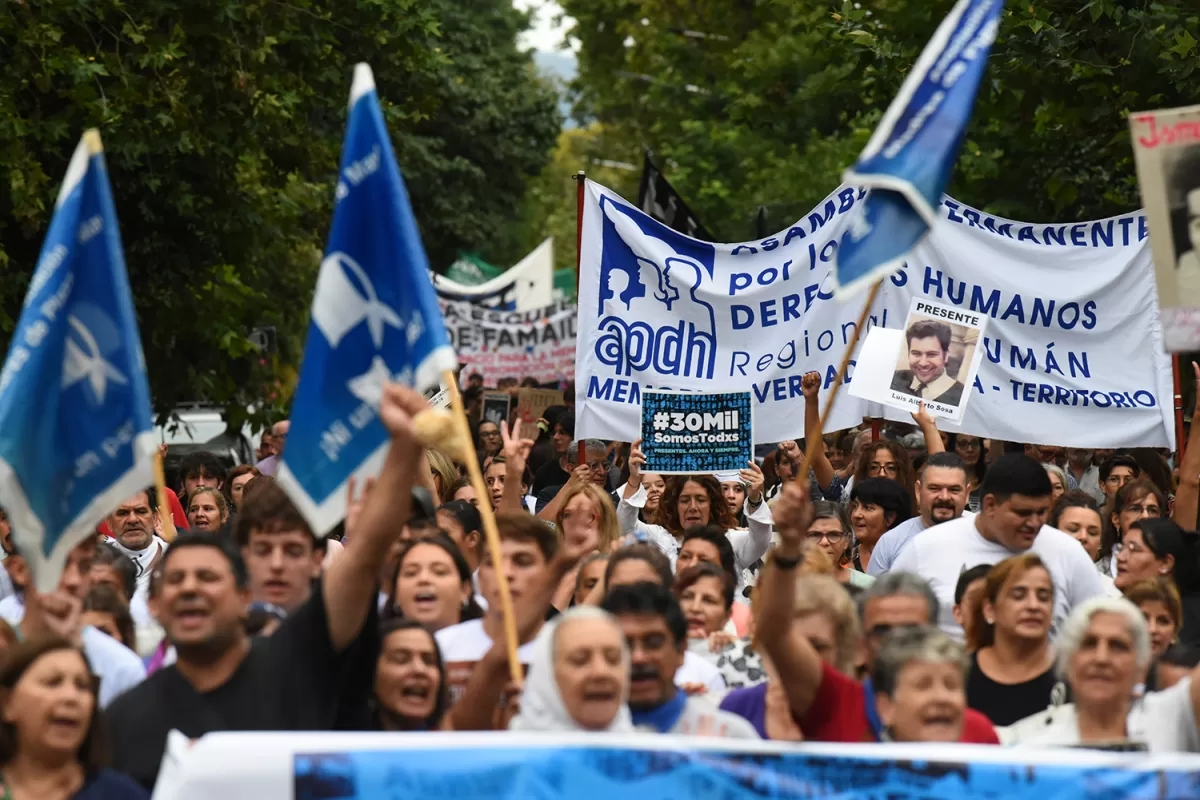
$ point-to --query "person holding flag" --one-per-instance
(75, 421)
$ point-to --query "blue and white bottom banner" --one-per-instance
(510, 766)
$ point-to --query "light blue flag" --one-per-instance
(375, 319)
(75, 424)
(908, 161)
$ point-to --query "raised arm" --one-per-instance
(349, 587)
(752, 544)
(796, 662)
(580, 474)
(516, 456)
(928, 426)
(1187, 496)
(810, 385)
(475, 710)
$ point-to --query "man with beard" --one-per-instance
(296, 679)
(941, 497)
(656, 630)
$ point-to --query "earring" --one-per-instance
(990, 621)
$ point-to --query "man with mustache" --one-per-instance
(656, 630)
(941, 497)
(308, 675)
(1013, 503)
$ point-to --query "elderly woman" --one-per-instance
(578, 677)
(1058, 482)
(920, 686)
(1104, 649)
(825, 616)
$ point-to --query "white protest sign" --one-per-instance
(933, 361)
(1072, 354)
(537, 343)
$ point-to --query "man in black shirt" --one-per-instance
(558, 471)
(294, 680)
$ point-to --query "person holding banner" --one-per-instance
(696, 500)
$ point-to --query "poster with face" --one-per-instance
(933, 360)
(1166, 145)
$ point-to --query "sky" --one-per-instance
(545, 35)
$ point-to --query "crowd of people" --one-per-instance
(916, 587)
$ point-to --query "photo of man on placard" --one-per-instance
(928, 357)
(1183, 195)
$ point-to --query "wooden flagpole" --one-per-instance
(462, 432)
(811, 446)
(160, 497)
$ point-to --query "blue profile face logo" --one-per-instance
(652, 310)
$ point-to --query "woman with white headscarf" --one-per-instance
(578, 677)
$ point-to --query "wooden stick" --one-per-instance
(490, 532)
(810, 450)
(160, 496)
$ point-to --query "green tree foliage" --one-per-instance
(766, 102)
(222, 122)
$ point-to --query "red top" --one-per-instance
(177, 514)
(839, 714)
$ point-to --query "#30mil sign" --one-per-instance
(690, 432)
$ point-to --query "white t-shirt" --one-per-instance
(118, 667)
(701, 718)
(1165, 721)
(462, 646)
(942, 553)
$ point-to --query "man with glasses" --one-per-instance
(1014, 502)
(596, 472)
(941, 497)
(1115, 472)
(279, 434)
(828, 705)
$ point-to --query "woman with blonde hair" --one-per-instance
(207, 510)
(1159, 602)
(445, 474)
(826, 616)
(1012, 663)
(586, 504)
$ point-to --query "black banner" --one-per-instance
(659, 199)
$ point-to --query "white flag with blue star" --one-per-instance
(375, 319)
(75, 424)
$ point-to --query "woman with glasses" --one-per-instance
(1012, 662)
(885, 459)
(830, 532)
(973, 451)
(1137, 499)
(696, 500)
(489, 441)
(1158, 548)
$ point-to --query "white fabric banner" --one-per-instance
(526, 285)
(1072, 356)
(537, 343)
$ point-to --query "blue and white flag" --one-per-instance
(375, 319)
(908, 161)
(75, 424)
